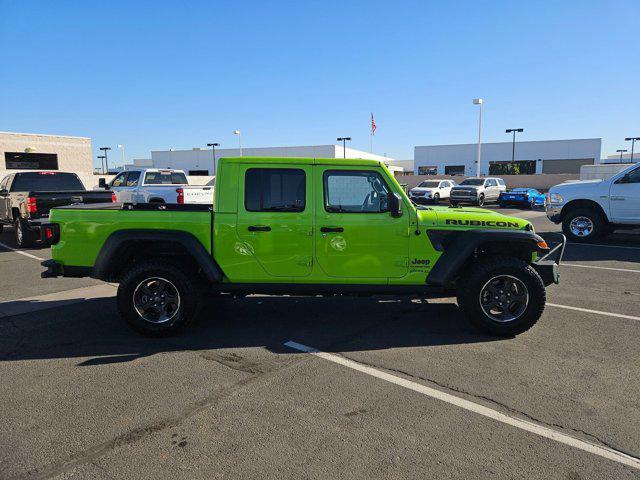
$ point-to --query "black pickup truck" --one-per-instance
(27, 197)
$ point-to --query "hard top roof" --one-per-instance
(356, 162)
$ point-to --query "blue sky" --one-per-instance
(160, 74)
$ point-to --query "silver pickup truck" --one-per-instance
(155, 185)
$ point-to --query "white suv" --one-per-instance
(431, 191)
(592, 208)
(478, 191)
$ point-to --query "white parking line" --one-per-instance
(20, 252)
(598, 312)
(527, 425)
(602, 245)
(600, 268)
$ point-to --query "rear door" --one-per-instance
(356, 237)
(275, 219)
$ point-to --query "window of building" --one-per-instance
(350, 191)
(454, 169)
(427, 170)
(202, 173)
(30, 161)
(519, 167)
(275, 190)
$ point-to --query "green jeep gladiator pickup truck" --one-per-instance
(303, 226)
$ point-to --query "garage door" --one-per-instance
(571, 165)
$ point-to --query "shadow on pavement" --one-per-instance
(93, 328)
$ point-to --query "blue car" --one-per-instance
(522, 197)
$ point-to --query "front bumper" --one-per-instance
(553, 212)
(548, 267)
(421, 200)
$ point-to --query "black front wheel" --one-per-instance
(501, 296)
(436, 198)
(480, 200)
(583, 225)
(157, 299)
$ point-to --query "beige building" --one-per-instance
(29, 151)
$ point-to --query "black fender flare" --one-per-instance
(115, 241)
(466, 242)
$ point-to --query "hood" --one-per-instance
(470, 217)
(563, 187)
(422, 189)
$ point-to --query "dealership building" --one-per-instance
(35, 151)
(545, 156)
(199, 161)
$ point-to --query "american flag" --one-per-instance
(373, 125)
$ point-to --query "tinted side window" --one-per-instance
(354, 192)
(132, 179)
(634, 176)
(500, 182)
(119, 180)
(490, 183)
(275, 190)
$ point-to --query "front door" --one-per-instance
(275, 220)
(355, 235)
(624, 198)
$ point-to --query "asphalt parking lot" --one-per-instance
(398, 388)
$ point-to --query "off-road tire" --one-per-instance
(187, 288)
(23, 236)
(480, 200)
(599, 225)
(479, 273)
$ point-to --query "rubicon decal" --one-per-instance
(483, 223)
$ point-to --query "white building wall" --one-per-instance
(202, 159)
(465, 154)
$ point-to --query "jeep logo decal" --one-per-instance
(483, 223)
(420, 261)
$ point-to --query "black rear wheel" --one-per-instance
(501, 295)
(157, 299)
(24, 237)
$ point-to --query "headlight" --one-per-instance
(555, 198)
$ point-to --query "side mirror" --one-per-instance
(394, 203)
(102, 183)
(4, 192)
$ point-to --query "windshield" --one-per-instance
(429, 185)
(46, 182)
(165, 178)
(473, 181)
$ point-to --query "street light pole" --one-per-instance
(106, 161)
(633, 142)
(102, 157)
(237, 132)
(121, 147)
(213, 146)
(478, 101)
(344, 141)
(621, 152)
(513, 147)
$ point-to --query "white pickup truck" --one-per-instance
(155, 185)
(592, 208)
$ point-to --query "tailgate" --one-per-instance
(203, 195)
(45, 201)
